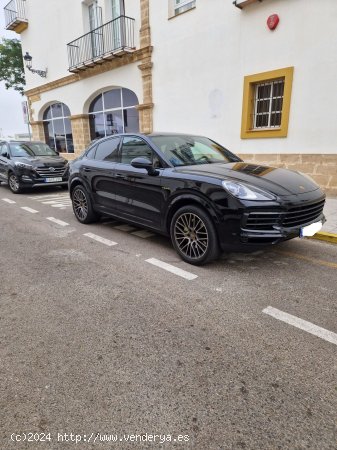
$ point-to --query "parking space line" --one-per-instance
(31, 210)
(59, 222)
(163, 265)
(143, 234)
(8, 200)
(100, 239)
(309, 327)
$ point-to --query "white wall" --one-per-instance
(77, 96)
(201, 57)
(55, 23)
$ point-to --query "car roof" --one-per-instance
(16, 141)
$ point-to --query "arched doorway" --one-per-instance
(113, 112)
(57, 128)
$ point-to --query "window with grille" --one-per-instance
(268, 104)
(181, 6)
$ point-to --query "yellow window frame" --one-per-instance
(247, 130)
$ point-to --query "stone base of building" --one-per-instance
(321, 167)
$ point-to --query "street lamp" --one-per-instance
(28, 60)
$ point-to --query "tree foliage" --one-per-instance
(11, 64)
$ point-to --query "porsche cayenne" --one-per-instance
(195, 191)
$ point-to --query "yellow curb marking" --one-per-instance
(327, 237)
(320, 262)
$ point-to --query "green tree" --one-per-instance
(11, 65)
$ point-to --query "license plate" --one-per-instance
(53, 180)
(311, 229)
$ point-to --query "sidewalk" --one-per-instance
(330, 211)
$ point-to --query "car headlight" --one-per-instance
(246, 192)
(23, 165)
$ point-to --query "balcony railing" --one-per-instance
(112, 39)
(15, 16)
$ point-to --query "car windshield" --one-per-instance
(31, 149)
(190, 150)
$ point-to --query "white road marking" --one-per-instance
(26, 208)
(124, 228)
(49, 202)
(302, 324)
(8, 200)
(143, 234)
(100, 239)
(59, 222)
(59, 205)
(172, 269)
(50, 197)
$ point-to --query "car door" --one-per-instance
(139, 195)
(98, 169)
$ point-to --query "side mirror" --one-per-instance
(144, 163)
(6, 155)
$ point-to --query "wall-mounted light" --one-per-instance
(28, 60)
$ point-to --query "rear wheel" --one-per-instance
(14, 183)
(194, 236)
(82, 205)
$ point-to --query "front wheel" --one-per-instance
(194, 236)
(82, 205)
(14, 183)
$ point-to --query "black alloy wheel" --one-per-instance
(82, 205)
(14, 183)
(193, 235)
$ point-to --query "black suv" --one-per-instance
(28, 164)
(196, 191)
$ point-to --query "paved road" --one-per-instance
(96, 337)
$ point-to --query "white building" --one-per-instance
(197, 66)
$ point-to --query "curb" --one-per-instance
(327, 237)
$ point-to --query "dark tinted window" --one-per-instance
(129, 98)
(3, 150)
(135, 147)
(107, 150)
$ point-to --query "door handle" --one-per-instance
(121, 176)
(86, 169)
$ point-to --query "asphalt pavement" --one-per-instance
(108, 336)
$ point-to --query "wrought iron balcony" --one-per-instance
(112, 39)
(15, 16)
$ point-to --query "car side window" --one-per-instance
(108, 150)
(91, 153)
(3, 149)
(135, 147)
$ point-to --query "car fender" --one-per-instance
(194, 199)
(77, 180)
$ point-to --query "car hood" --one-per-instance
(38, 161)
(278, 181)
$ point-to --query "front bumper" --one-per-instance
(256, 225)
(32, 179)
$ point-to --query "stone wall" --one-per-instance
(321, 167)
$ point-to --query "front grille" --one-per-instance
(263, 220)
(297, 216)
(46, 172)
(303, 214)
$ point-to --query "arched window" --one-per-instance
(114, 112)
(57, 128)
